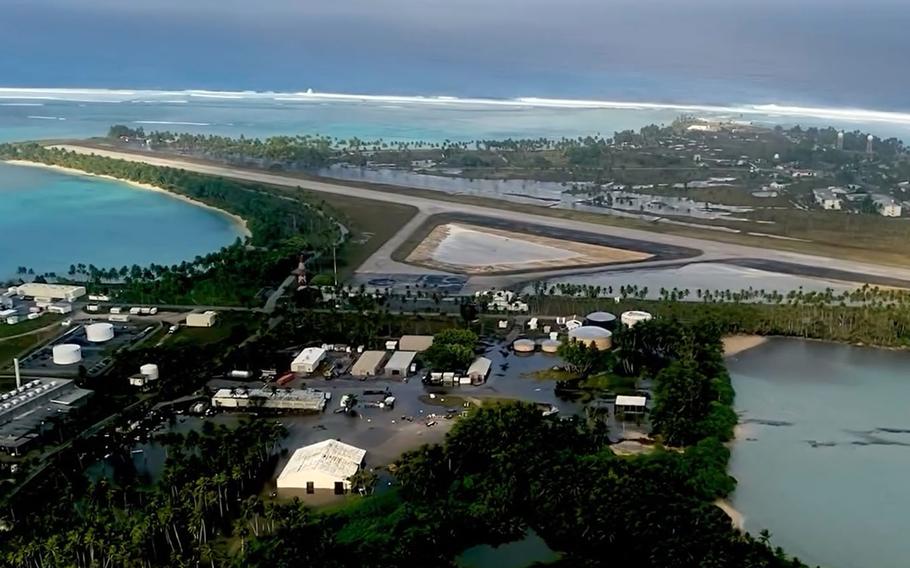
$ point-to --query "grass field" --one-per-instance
(29, 325)
(870, 239)
(10, 348)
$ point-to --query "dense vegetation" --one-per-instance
(866, 315)
(119, 521)
(452, 350)
(281, 229)
(506, 469)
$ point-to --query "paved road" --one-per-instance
(381, 262)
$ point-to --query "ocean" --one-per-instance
(533, 67)
(50, 220)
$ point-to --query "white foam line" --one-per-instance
(38, 117)
(764, 110)
(22, 104)
(174, 122)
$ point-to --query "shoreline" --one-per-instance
(736, 344)
(239, 222)
(737, 519)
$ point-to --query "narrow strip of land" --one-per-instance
(382, 263)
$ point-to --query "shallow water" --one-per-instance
(824, 451)
(50, 220)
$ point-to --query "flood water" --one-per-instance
(713, 276)
(519, 554)
(824, 451)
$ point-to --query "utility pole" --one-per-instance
(335, 265)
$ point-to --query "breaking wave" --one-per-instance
(743, 111)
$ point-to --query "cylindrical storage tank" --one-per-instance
(605, 320)
(67, 354)
(592, 335)
(633, 317)
(99, 332)
(524, 346)
(149, 371)
(549, 345)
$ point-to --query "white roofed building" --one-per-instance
(204, 319)
(479, 370)
(325, 465)
(51, 292)
(626, 404)
(307, 361)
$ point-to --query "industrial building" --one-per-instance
(418, 343)
(524, 346)
(34, 409)
(307, 361)
(479, 370)
(632, 317)
(326, 465)
(369, 364)
(592, 336)
(605, 320)
(204, 319)
(300, 400)
(399, 364)
(60, 308)
(148, 373)
(99, 332)
(49, 292)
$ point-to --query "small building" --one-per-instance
(829, 198)
(204, 319)
(887, 206)
(60, 308)
(307, 361)
(50, 292)
(399, 364)
(418, 343)
(326, 465)
(626, 404)
(369, 364)
(479, 370)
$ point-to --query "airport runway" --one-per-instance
(381, 262)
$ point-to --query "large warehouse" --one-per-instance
(307, 361)
(50, 292)
(325, 465)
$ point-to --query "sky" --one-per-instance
(801, 50)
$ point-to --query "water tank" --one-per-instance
(99, 332)
(633, 317)
(149, 371)
(524, 346)
(605, 320)
(67, 354)
(592, 335)
(549, 345)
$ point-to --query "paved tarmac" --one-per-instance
(382, 263)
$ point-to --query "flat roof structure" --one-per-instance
(400, 363)
(305, 400)
(307, 360)
(322, 466)
(479, 370)
(51, 292)
(415, 342)
(204, 319)
(31, 409)
(631, 401)
(368, 364)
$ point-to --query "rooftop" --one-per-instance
(331, 457)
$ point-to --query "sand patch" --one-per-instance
(472, 249)
(736, 344)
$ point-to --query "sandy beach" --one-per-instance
(736, 517)
(736, 344)
(237, 220)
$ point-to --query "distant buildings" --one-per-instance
(887, 206)
(326, 465)
(830, 199)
